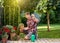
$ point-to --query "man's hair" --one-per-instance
(27, 13)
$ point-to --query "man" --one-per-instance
(31, 25)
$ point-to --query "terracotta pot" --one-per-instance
(4, 40)
(12, 35)
(18, 37)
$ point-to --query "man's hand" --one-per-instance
(26, 28)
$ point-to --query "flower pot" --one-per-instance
(4, 40)
(13, 34)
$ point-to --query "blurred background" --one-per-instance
(12, 13)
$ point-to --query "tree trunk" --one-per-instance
(48, 22)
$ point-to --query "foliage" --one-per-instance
(5, 32)
(45, 6)
(30, 6)
(10, 28)
(4, 35)
(0, 33)
(11, 12)
(52, 18)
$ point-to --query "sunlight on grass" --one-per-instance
(43, 27)
(52, 27)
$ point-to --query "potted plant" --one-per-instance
(0, 34)
(4, 37)
(5, 32)
(12, 32)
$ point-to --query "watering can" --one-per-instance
(33, 38)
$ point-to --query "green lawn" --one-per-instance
(54, 31)
(43, 33)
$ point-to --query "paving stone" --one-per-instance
(42, 40)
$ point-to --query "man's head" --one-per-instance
(27, 15)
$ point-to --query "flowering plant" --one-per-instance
(0, 31)
(5, 29)
(8, 29)
(11, 28)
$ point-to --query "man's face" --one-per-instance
(27, 16)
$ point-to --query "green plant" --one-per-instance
(10, 27)
(5, 35)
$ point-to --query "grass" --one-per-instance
(43, 33)
(54, 31)
(51, 34)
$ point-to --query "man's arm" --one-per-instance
(36, 20)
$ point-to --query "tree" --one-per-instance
(28, 5)
(11, 12)
(45, 6)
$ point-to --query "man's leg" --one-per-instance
(35, 33)
(28, 35)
